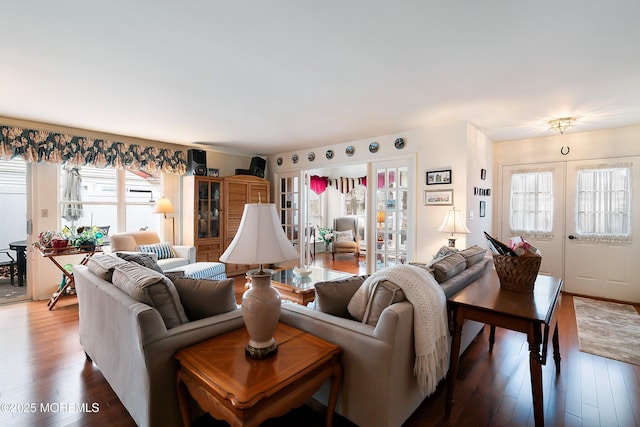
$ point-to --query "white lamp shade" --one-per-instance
(260, 238)
(453, 223)
(163, 206)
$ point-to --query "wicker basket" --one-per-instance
(517, 273)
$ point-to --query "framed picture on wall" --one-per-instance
(483, 208)
(439, 177)
(438, 198)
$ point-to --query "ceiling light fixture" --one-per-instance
(562, 124)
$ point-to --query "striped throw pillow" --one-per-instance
(163, 250)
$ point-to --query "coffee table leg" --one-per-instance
(182, 400)
(492, 338)
(336, 378)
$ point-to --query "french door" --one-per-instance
(602, 259)
(599, 262)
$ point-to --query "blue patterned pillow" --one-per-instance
(163, 250)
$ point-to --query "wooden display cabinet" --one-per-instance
(239, 190)
(203, 216)
(212, 210)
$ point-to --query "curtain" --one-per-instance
(603, 208)
(51, 147)
(531, 209)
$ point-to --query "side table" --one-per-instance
(231, 386)
(534, 314)
(52, 254)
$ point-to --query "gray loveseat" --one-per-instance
(379, 387)
(130, 341)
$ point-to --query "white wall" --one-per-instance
(459, 147)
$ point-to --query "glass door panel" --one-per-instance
(391, 216)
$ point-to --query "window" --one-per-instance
(531, 210)
(603, 208)
(90, 196)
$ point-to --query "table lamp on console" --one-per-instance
(260, 240)
(453, 224)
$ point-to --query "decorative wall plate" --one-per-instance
(311, 156)
(373, 147)
(329, 154)
(279, 161)
(350, 150)
(294, 158)
(399, 143)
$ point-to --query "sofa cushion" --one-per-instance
(385, 294)
(205, 297)
(102, 265)
(473, 255)
(465, 278)
(148, 260)
(332, 297)
(447, 267)
(163, 250)
(151, 288)
(444, 251)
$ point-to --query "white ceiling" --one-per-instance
(263, 77)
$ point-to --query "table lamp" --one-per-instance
(260, 240)
(164, 207)
(453, 224)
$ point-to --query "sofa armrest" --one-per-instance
(188, 252)
(191, 333)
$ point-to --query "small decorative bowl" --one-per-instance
(302, 272)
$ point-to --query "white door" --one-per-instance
(603, 206)
(533, 207)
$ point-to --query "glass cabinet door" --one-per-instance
(391, 217)
(208, 209)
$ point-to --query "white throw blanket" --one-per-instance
(430, 330)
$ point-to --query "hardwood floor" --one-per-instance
(46, 381)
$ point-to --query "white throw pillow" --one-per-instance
(344, 236)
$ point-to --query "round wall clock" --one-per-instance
(311, 156)
(373, 147)
(329, 154)
(350, 150)
(399, 143)
(294, 158)
(279, 161)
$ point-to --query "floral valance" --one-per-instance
(58, 148)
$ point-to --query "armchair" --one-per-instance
(346, 239)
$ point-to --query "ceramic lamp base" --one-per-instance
(261, 312)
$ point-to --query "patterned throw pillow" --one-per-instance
(163, 250)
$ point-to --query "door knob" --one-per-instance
(571, 236)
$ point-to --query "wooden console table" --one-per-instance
(52, 254)
(534, 314)
(231, 386)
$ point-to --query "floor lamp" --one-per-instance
(164, 206)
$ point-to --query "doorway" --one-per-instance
(13, 215)
(581, 215)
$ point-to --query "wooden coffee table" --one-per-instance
(301, 290)
(534, 314)
(231, 386)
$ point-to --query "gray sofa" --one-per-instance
(379, 387)
(134, 348)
